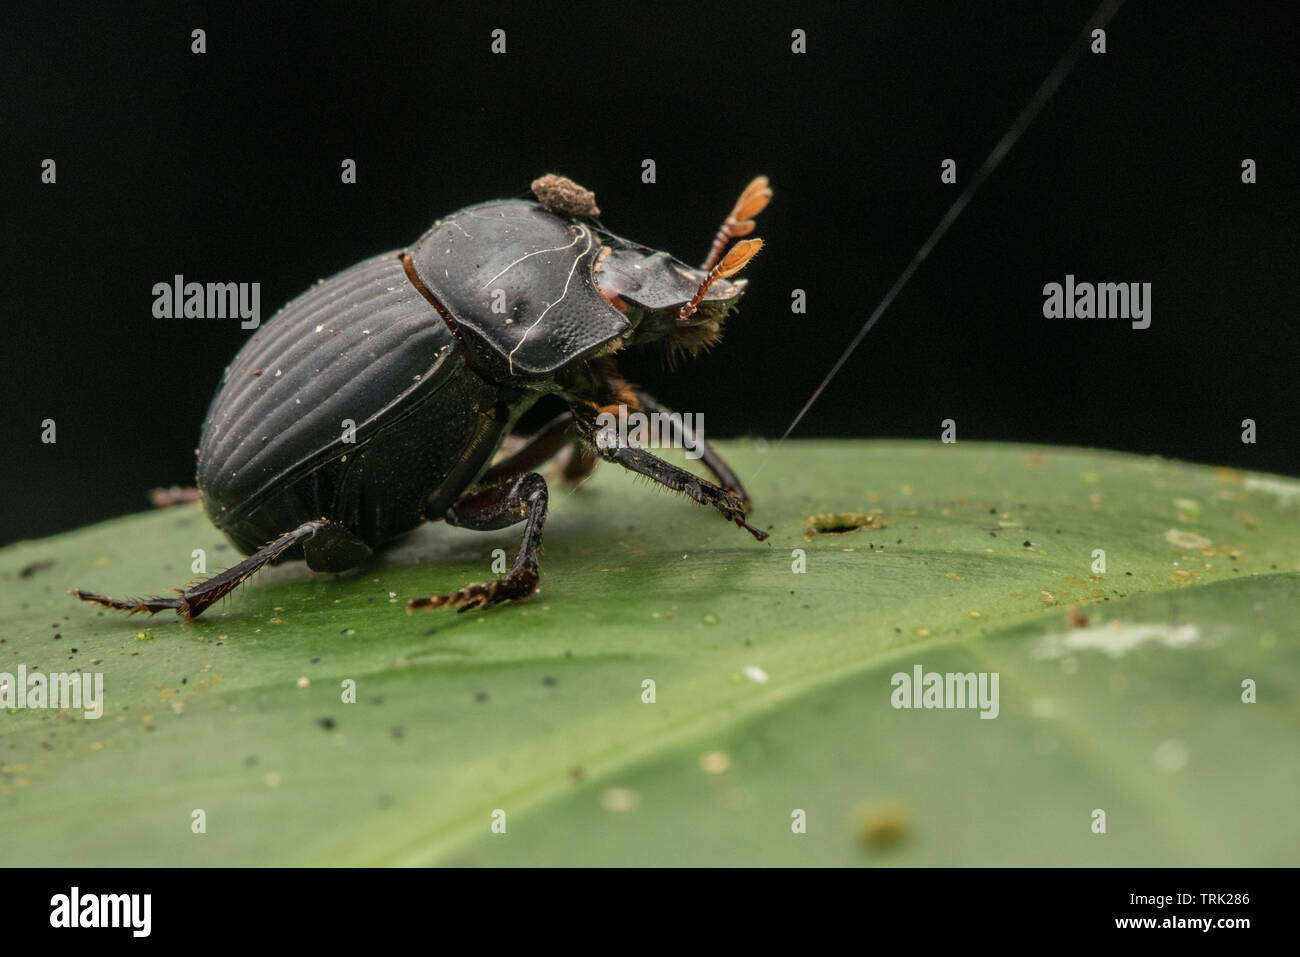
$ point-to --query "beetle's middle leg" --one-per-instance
(522, 499)
(541, 447)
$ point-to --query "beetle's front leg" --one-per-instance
(521, 500)
(728, 503)
(709, 455)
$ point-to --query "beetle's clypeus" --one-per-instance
(416, 349)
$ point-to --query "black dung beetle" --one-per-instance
(376, 400)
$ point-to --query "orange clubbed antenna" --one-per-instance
(741, 221)
(735, 260)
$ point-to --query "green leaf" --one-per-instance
(772, 688)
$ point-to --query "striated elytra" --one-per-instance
(376, 400)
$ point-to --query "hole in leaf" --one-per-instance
(840, 523)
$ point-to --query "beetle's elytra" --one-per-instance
(415, 349)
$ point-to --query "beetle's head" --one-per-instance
(666, 300)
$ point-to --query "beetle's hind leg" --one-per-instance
(521, 500)
(192, 602)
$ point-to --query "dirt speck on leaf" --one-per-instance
(881, 825)
(28, 571)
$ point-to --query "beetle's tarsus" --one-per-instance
(482, 594)
(132, 606)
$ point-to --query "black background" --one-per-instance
(225, 167)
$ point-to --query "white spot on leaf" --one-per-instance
(1115, 639)
(1287, 492)
(1181, 539)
